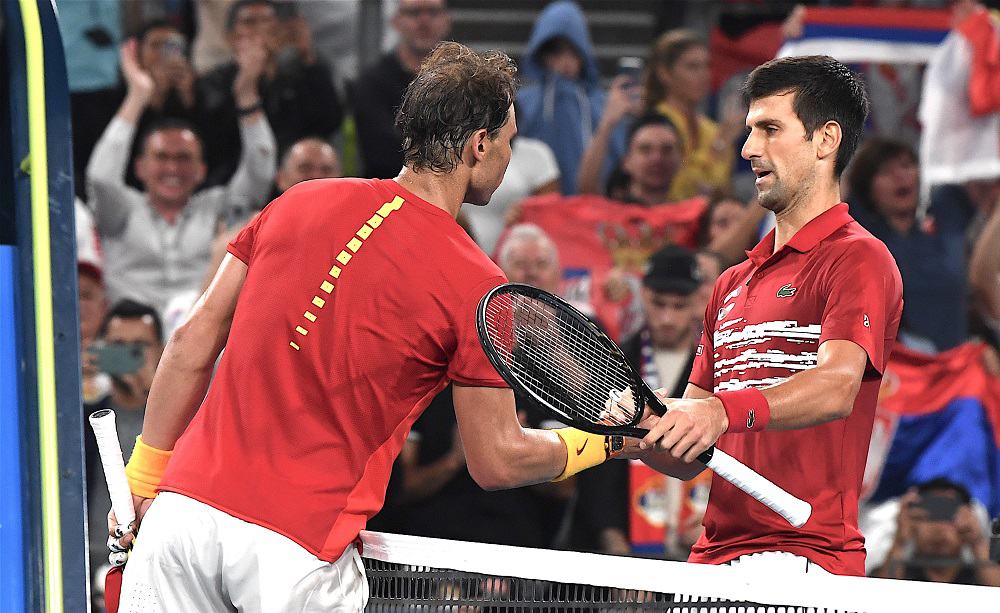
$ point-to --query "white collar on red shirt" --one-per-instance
(808, 236)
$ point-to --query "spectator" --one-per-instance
(130, 344)
(676, 83)
(936, 522)
(883, 184)
(960, 101)
(984, 275)
(378, 90)
(158, 240)
(561, 101)
(309, 158)
(529, 256)
(162, 53)
(290, 84)
(662, 352)
(722, 215)
(652, 157)
(93, 301)
(532, 171)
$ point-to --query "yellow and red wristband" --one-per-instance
(585, 450)
(747, 410)
(145, 468)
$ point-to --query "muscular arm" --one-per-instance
(185, 370)
(500, 454)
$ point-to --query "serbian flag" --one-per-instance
(879, 35)
(664, 514)
(601, 240)
(938, 416)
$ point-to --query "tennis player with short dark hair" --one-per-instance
(344, 308)
(796, 338)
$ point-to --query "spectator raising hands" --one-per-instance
(622, 102)
(294, 90)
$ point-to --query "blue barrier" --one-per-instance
(12, 554)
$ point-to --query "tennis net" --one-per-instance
(409, 574)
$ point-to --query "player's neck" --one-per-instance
(445, 191)
(806, 207)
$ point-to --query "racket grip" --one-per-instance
(794, 510)
(106, 433)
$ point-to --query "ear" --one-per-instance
(661, 72)
(201, 172)
(827, 140)
(140, 166)
(478, 144)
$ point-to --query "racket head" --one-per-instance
(554, 355)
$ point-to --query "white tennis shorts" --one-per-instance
(191, 556)
(771, 563)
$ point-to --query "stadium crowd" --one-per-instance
(625, 194)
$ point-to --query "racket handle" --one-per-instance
(794, 510)
(106, 432)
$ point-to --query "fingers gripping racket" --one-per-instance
(106, 432)
(548, 351)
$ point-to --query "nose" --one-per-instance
(751, 147)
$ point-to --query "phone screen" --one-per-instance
(939, 508)
(119, 358)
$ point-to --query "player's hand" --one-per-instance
(689, 427)
(122, 536)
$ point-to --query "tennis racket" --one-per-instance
(551, 353)
(106, 432)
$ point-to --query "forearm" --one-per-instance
(109, 159)
(132, 108)
(529, 457)
(589, 179)
(810, 398)
(258, 163)
(180, 383)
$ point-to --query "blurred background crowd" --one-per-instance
(626, 194)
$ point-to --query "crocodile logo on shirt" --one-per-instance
(787, 291)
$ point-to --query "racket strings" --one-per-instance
(561, 359)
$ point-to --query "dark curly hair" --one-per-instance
(456, 92)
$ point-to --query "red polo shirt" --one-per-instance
(765, 322)
(357, 309)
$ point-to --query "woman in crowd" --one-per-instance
(883, 187)
(675, 84)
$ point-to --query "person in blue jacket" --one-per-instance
(561, 100)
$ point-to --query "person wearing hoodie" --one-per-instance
(561, 100)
